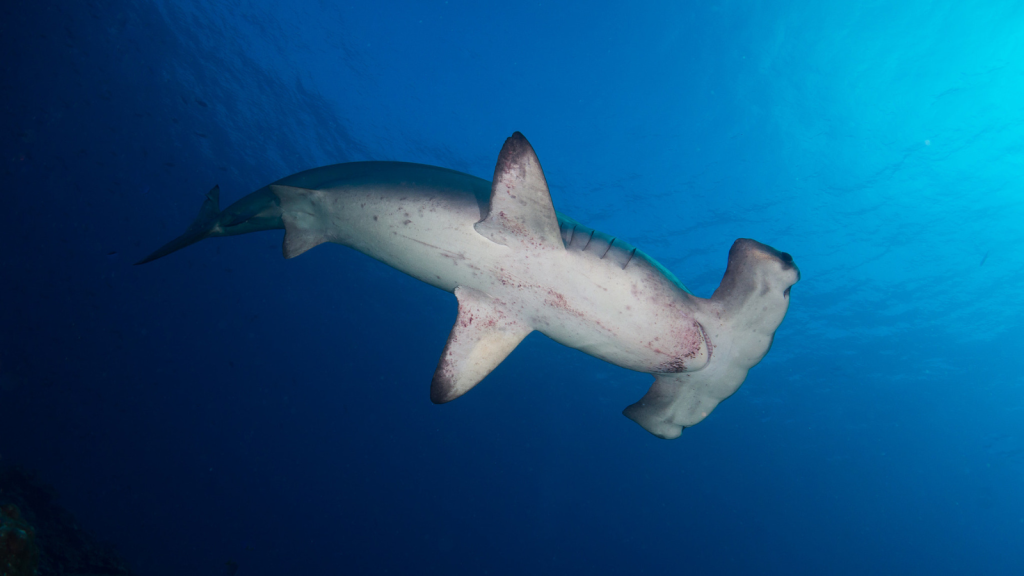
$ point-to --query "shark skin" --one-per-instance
(515, 266)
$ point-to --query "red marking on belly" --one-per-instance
(557, 300)
(673, 366)
(688, 340)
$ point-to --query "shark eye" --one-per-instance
(785, 257)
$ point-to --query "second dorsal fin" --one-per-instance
(520, 210)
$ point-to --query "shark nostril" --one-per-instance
(785, 293)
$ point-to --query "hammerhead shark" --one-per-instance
(515, 266)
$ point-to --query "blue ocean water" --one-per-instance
(224, 404)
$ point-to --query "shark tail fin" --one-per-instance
(200, 228)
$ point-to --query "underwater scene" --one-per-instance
(450, 287)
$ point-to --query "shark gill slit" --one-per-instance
(609, 249)
(588, 241)
(630, 259)
(572, 232)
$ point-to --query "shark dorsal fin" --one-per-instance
(485, 333)
(520, 210)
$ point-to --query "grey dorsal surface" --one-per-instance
(515, 266)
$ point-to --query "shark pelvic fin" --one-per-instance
(200, 228)
(485, 333)
(520, 209)
(301, 213)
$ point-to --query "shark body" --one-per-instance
(515, 266)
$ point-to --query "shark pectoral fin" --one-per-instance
(520, 209)
(676, 401)
(301, 212)
(485, 333)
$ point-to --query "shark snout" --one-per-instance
(778, 265)
(791, 272)
(787, 263)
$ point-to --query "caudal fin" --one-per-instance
(200, 228)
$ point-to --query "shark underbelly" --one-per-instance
(628, 315)
(423, 231)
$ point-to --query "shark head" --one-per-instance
(738, 324)
(754, 293)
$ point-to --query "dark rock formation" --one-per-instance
(62, 548)
(18, 553)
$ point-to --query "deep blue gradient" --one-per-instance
(225, 404)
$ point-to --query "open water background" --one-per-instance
(225, 404)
